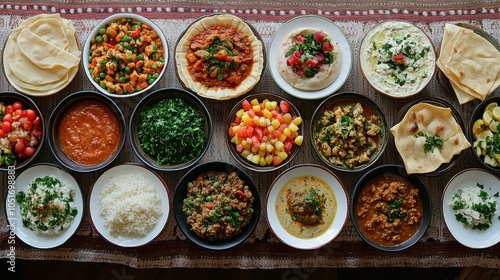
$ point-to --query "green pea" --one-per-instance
(154, 56)
(155, 76)
(140, 56)
(150, 81)
(129, 58)
(123, 79)
(102, 31)
(155, 66)
(97, 79)
(99, 39)
(127, 69)
(102, 75)
(102, 63)
(103, 84)
(129, 20)
(155, 48)
(190, 185)
(90, 58)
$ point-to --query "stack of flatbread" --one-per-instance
(470, 62)
(42, 55)
(431, 120)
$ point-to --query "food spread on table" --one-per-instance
(427, 137)
(470, 62)
(221, 57)
(309, 59)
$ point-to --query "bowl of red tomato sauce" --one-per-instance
(87, 131)
(21, 132)
(264, 132)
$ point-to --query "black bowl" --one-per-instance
(180, 193)
(8, 98)
(415, 181)
(153, 98)
(368, 105)
(478, 114)
(61, 110)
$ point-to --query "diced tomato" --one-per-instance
(276, 133)
(257, 131)
(276, 160)
(327, 47)
(239, 148)
(300, 39)
(19, 147)
(36, 132)
(209, 206)
(292, 61)
(17, 114)
(9, 109)
(239, 193)
(288, 145)
(320, 57)
(246, 105)
(399, 58)
(251, 113)
(299, 71)
(319, 36)
(297, 53)
(230, 130)
(28, 151)
(255, 141)
(136, 33)
(284, 107)
(311, 62)
(17, 106)
(280, 118)
(2, 134)
(30, 114)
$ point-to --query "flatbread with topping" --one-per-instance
(219, 57)
(309, 59)
(424, 121)
(470, 62)
(42, 55)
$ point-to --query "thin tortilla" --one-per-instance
(219, 93)
(430, 120)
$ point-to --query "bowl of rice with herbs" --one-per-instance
(471, 208)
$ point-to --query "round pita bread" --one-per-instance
(327, 73)
(218, 93)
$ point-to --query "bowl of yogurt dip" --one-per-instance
(397, 58)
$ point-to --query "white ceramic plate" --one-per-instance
(315, 22)
(468, 236)
(21, 184)
(339, 219)
(95, 205)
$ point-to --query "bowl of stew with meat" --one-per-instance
(390, 209)
(216, 205)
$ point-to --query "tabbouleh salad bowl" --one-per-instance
(175, 144)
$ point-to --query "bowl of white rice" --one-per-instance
(129, 205)
(471, 208)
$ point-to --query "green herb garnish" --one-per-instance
(431, 142)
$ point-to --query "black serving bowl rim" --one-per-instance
(366, 101)
(55, 117)
(232, 149)
(416, 181)
(180, 192)
(26, 101)
(475, 116)
(436, 101)
(160, 94)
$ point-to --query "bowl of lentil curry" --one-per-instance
(390, 209)
(216, 205)
(349, 132)
(170, 129)
(125, 55)
(86, 131)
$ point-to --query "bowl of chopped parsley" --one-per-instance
(170, 129)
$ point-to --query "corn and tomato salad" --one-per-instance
(126, 56)
(20, 132)
(265, 132)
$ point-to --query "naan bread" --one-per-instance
(198, 27)
(430, 120)
(327, 73)
(470, 62)
(42, 55)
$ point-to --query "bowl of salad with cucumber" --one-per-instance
(170, 129)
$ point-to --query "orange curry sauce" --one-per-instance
(89, 132)
(220, 56)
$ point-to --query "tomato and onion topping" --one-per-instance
(264, 133)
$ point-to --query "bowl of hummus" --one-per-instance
(397, 59)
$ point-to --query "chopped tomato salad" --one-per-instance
(265, 132)
(20, 132)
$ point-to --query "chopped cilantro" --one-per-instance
(431, 142)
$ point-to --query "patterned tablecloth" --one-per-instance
(262, 250)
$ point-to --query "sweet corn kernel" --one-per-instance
(269, 159)
(282, 138)
(240, 112)
(245, 118)
(256, 159)
(245, 153)
(298, 140)
(236, 128)
(262, 161)
(287, 117)
(287, 132)
(297, 121)
(279, 146)
(263, 146)
(246, 145)
(293, 127)
(269, 147)
(266, 113)
(282, 155)
(254, 102)
(273, 104)
(256, 108)
(275, 123)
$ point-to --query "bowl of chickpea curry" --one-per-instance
(125, 55)
(390, 209)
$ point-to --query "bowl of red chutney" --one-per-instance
(86, 131)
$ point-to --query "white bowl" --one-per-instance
(95, 205)
(469, 237)
(95, 31)
(340, 217)
(13, 212)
